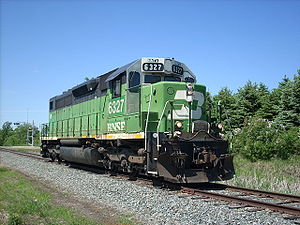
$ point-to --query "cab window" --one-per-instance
(134, 79)
(189, 80)
(177, 79)
(152, 79)
(116, 88)
(133, 92)
(51, 105)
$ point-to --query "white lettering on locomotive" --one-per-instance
(155, 65)
(116, 126)
(116, 106)
(153, 60)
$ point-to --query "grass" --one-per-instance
(274, 175)
(21, 202)
(126, 219)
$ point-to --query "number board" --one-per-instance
(153, 67)
(177, 69)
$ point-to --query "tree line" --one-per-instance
(10, 136)
(260, 124)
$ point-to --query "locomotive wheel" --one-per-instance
(59, 160)
(52, 157)
(133, 175)
(124, 165)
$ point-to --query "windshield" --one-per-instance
(152, 79)
(177, 79)
(189, 80)
(157, 78)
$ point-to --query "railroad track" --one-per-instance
(27, 154)
(250, 202)
(288, 197)
(281, 207)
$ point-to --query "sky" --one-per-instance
(49, 46)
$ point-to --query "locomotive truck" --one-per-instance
(147, 117)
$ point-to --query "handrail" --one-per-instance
(159, 122)
(147, 120)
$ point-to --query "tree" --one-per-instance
(265, 124)
(208, 104)
(296, 98)
(251, 101)
(289, 103)
(269, 105)
(18, 135)
(5, 132)
(226, 101)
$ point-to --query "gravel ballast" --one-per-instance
(149, 204)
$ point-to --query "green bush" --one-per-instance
(288, 143)
(262, 139)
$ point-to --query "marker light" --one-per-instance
(190, 90)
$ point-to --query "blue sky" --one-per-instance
(50, 46)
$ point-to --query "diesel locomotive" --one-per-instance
(147, 117)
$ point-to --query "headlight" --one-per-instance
(220, 126)
(178, 124)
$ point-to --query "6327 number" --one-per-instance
(153, 67)
(177, 69)
(116, 106)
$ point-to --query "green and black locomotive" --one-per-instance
(147, 117)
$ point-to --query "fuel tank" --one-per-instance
(89, 156)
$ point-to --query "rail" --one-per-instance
(247, 202)
(18, 152)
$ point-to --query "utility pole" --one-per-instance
(27, 115)
(30, 135)
(32, 144)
